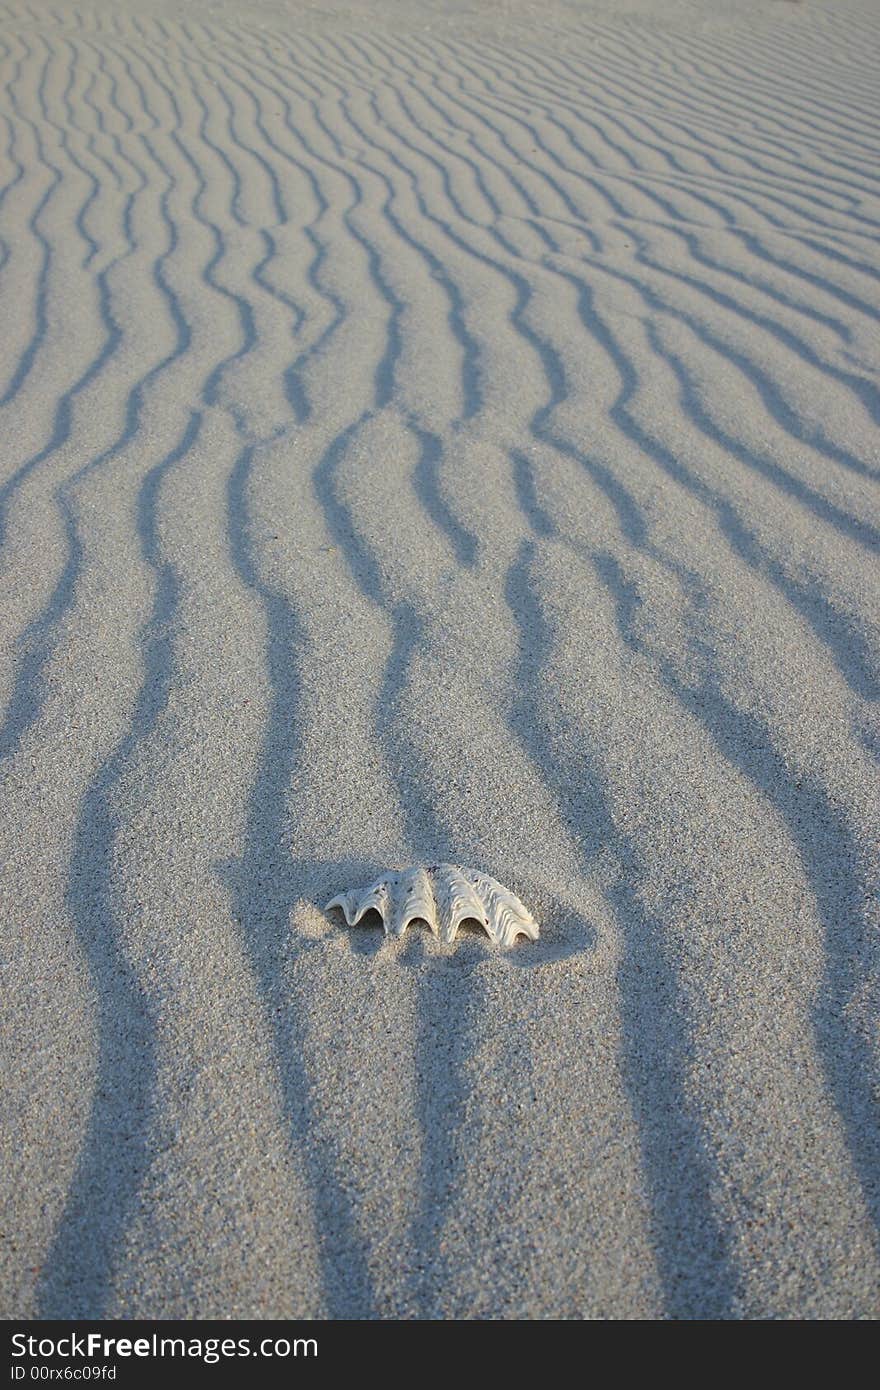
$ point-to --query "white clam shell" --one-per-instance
(444, 896)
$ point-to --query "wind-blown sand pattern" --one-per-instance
(440, 433)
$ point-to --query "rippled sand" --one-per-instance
(440, 431)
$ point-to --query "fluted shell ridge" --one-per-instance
(444, 896)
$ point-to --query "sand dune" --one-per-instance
(440, 431)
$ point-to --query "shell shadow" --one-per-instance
(565, 932)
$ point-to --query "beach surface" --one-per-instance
(440, 432)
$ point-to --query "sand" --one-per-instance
(440, 431)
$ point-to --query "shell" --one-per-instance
(444, 896)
